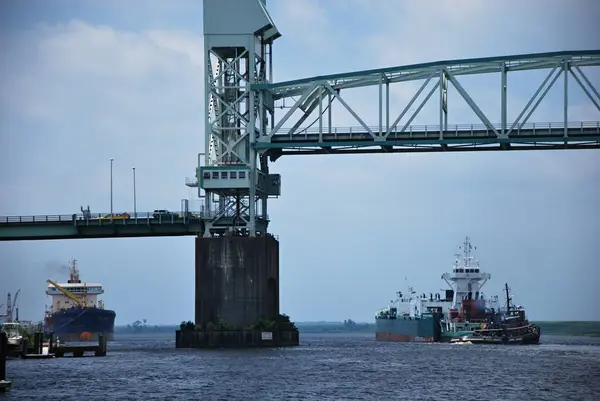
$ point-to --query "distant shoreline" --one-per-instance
(567, 328)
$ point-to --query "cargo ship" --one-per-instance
(463, 312)
(76, 314)
(403, 321)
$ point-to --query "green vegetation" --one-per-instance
(589, 329)
(187, 326)
(218, 324)
(27, 335)
(141, 327)
(347, 326)
(281, 322)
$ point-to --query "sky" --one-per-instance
(82, 83)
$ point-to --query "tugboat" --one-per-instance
(508, 327)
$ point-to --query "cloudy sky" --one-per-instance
(81, 83)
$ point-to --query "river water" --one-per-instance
(323, 367)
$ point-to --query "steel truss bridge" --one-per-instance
(242, 134)
(394, 132)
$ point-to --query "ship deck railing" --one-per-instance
(486, 330)
(457, 320)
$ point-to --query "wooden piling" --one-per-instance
(38, 343)
(3, 352)
(24, 349)
(101, 350)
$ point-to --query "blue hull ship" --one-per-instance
(76, 313)
(82, 324)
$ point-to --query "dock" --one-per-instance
(53, 350)
(45, 350)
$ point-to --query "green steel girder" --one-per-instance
(522, 62)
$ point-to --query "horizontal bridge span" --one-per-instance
(430, 138)
(46, 227)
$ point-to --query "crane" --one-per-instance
(14, 304)
(67, 293)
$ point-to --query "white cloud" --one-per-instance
(105, 93)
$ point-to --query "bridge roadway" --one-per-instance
(47, 227)
(538, 136)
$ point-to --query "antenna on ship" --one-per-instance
(466, 251)
(74, 272)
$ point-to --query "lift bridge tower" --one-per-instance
(233, 179)
(237, 263)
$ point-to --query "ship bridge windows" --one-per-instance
(76, 290)
(465, 270)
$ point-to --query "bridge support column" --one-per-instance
(237, 280)
(237, 295)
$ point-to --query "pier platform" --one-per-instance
(50, 349)
(235, 338)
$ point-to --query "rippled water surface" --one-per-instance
(323, 367)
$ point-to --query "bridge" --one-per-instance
(394, 132)
(242, 135)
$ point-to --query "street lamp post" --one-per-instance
(111, 188)
(134, 200)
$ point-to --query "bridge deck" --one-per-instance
(429, 138)
(46, 227)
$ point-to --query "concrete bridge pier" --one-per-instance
(237, 295)
(237, 280)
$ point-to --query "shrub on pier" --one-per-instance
(281, 322)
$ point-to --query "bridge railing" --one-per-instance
(125, 218)
(584, 127)
(39, 218)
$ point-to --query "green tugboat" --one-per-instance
(508, 326)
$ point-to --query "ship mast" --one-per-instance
(507, 297)
(467, 258)
(73, 272)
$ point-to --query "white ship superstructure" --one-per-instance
(465, 282)
(74, 293)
